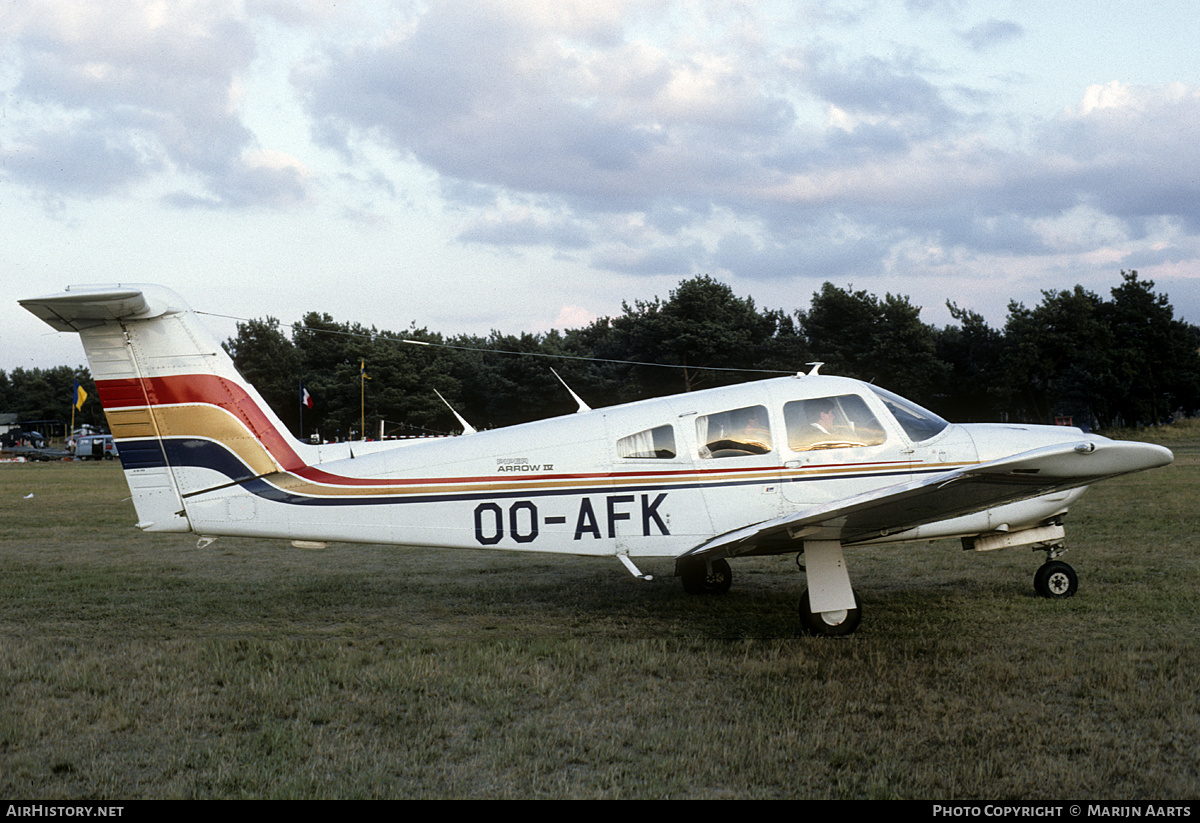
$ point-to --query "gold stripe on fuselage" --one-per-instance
(213, 423)
(201, 421)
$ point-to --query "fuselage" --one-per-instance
(204, 453)
(652, 478)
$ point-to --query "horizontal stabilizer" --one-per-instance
(84, 307)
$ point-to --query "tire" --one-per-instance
(1055, 580)
(698, 580)
(819, 625)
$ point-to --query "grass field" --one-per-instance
(140, 666)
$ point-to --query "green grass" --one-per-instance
(135, 665)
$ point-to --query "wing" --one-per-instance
(895, 509)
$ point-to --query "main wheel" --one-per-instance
(1055, 580)
(697, 579)
(830, 624)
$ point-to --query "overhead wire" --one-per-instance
(409, 341)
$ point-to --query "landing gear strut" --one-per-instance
(829, 607)
(1055, 579)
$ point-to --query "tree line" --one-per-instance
(1125, 360)
(1121, 361)
(46, 395)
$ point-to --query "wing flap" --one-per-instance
(894, 509)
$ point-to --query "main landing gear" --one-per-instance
(837, 623)
(828, 608)
(702, 576)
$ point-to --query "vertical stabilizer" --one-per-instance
(183, 418)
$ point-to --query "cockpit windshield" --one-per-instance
(918, 423)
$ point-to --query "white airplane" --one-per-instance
(806, 464)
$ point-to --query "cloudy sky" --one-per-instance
(529, 164)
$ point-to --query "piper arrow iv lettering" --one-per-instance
(811, 464)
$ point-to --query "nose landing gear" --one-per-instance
(1055, 580)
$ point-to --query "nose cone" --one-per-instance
(1144, 455)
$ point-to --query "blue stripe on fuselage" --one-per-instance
(208, 454)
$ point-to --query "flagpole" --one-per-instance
(76, 403)
(362, 398)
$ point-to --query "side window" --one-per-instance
(658, 443)
(734, 433)
(831, 423)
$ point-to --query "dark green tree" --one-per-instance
(48, 394)
(508, 379)
(331, 358)
(881, 341)
(702, 327)
(1154, 357)
(1102, 362)
(1122, 362)
(269, 361)
(1058, 359)
(404, 370)
(972, 352)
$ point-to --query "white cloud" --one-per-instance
(602, 121)
(497, 144)
(991, 33)
(573, 317)
(138, 88)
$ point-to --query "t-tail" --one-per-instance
(179, 411)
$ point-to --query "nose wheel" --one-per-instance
(1055, 580)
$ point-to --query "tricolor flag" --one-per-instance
(305, 398)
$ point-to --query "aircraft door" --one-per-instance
(837, 447)
(739, 460)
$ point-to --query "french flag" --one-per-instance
(306, 398)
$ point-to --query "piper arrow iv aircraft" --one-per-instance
(808, 464)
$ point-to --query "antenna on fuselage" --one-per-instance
(467, 427)
(816, 368)
(583, 407)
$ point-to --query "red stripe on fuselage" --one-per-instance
(217, 391)
(201, 388)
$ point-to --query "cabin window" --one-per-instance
(918, 423)
(831, 423)
(734, 433)
(657, 443)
